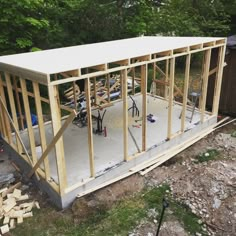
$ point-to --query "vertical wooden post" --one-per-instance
(171, 97)
(13, 109)
(185, 97)
(205, 82)
(28, 120)
(41, 126)
(166, 79)
(95, 90)
(121, 85)
(108, 89)
(5, 119)
(74, 95)
(59, 147)
(133, 79)
(18, 103)
(218, 82)
(144, 105)
(125, 113)
(90, 127)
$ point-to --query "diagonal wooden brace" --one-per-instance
(53, 142)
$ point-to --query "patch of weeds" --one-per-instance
(233, 134)
(189, 220)
(154, 197)
(210, 154)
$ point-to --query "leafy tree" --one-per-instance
(22, 25)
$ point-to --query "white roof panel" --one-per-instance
(72, 58)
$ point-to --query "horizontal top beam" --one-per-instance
(35, 65)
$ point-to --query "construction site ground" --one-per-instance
(199, 184)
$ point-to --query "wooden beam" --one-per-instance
(125, 113)
(205, 82)
(41, 126)
(166, 79)
(133, 79)
(53, 143)
(108, 89)
(4, 115)
(41, 98)
(13, 108)
(28, 120)
(171, 98)
(59, 146)
(218, 82)
(2, 119)
(144, 105)
(186, 87)
(17, 133)
(18, 103)
(90, 127)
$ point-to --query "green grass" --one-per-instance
(119, 220)
(210, 154)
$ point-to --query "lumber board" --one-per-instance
(11, 189)
(28, 120)
(15, 87)
(205, 83)
(125, 114)
(4, 229)
(41, 127)
(144, 106)
(89, 127)
(218, 83)
(13, 109)
(17, 133)
(171, 98)
(186, 86)
(52, 143)
(59, 144)
(5, 119)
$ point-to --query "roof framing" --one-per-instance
(100, 58)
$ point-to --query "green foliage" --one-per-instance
(44, 24)
(210, 154)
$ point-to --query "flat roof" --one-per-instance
(82, 56)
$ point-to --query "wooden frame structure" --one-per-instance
(25, 77)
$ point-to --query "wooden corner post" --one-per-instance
(59, 147)
(219, 74)
(207, 59)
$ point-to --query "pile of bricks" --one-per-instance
(14, 207)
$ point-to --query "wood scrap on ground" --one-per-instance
(13, 208)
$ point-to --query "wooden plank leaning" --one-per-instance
(53, 142)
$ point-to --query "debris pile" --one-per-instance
(14, 207)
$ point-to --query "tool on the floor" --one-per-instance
(165, 204)
(81, 118)
(151, 118)
(99, 119)
(132, 136)
(138, 120)
(134, 107)
(136, 126)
